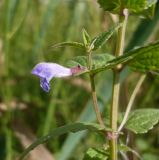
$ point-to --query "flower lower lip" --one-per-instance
(44, 84)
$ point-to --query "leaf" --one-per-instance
(101, 39)
(142, 120)
(95, 154)
(146, 59)
(98, 60)
(134, 6)
(79, 60)
(143, 59)
(113, 63)
(86, 37)
(70, 44)
(75, 127)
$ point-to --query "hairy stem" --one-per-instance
(132, 98)
(116, 86)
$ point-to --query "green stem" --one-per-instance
(95, 102)
(93, 91)
(121, 33)
(116, 86)
(132, 98)
(90, 60)
(114, 115)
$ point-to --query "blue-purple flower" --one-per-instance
(46, 71)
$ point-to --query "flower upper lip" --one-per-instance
(50, 70)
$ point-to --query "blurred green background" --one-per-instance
(27, 30)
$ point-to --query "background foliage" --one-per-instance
(28, 29)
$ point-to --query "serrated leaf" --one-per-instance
(143, 59)
(135, 6)
(86, 37)
(98, 60)
(101, 39)
(70, 44)
(95, 154)
(75, 127)
(79, 60)
(146, 59)
(142, 120)
(113, 63)
(101, 62)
